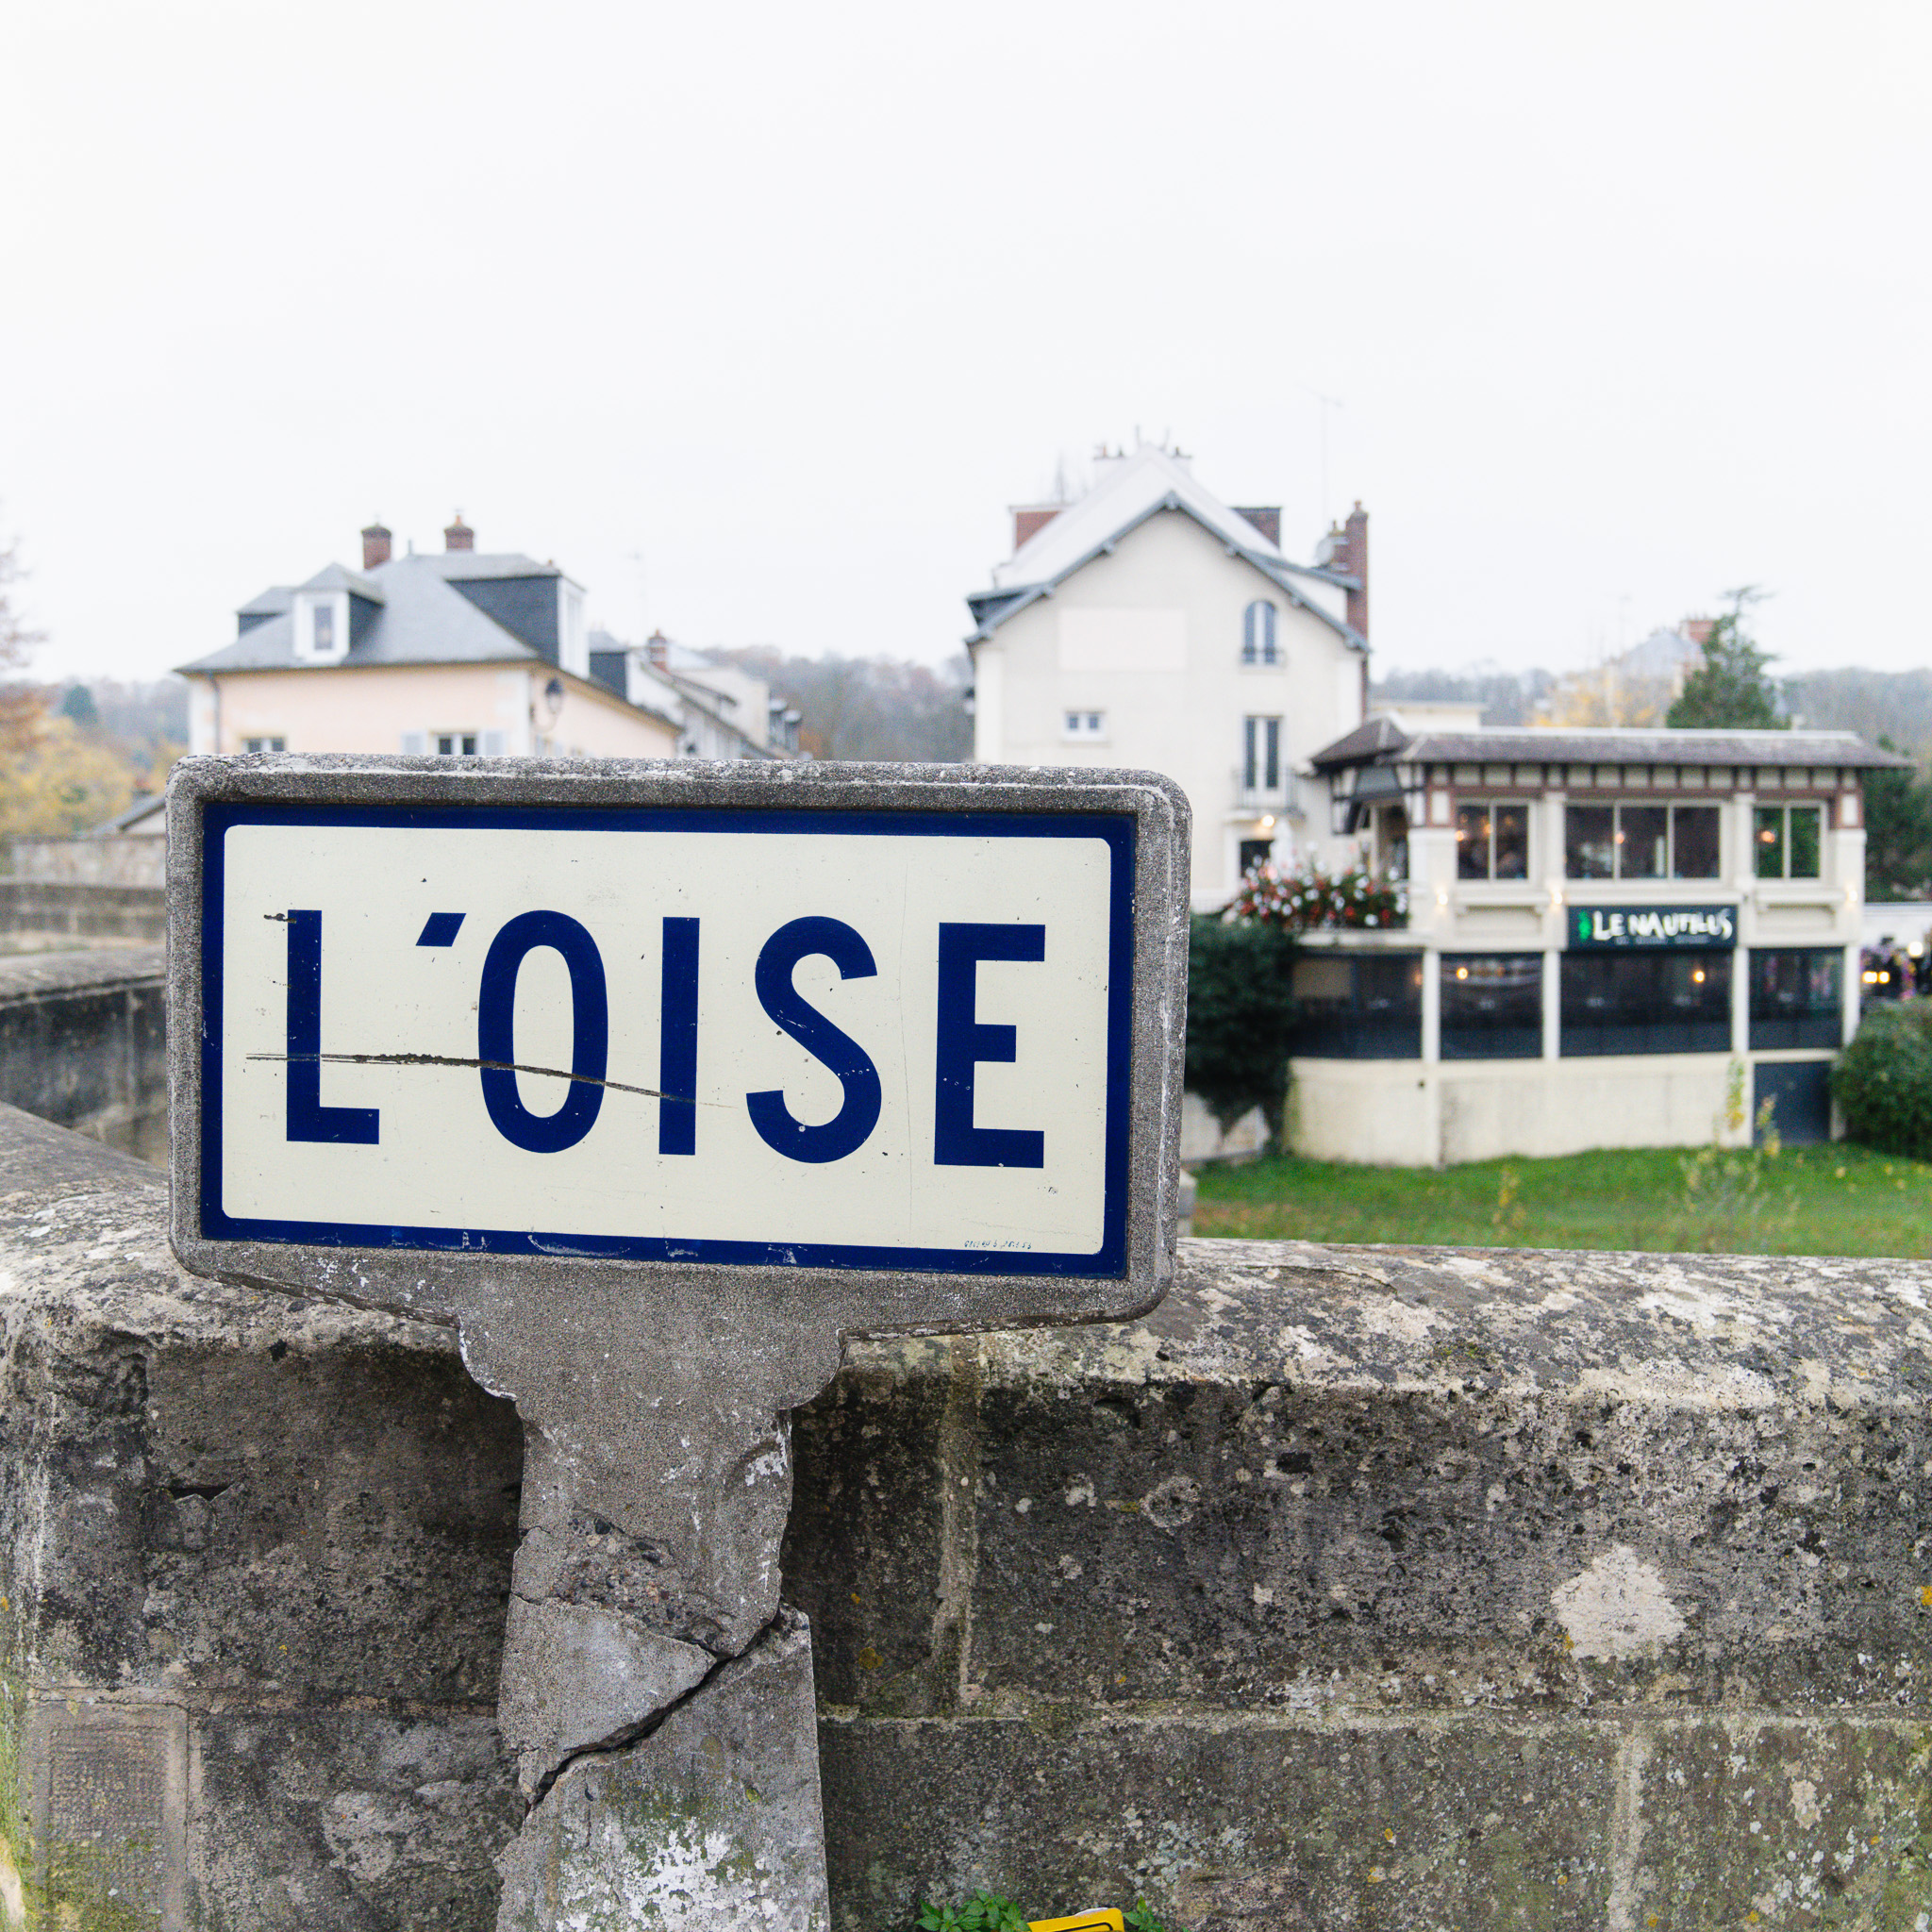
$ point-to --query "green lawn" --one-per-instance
(1837, 1200)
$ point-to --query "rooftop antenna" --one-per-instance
(1326, 403)
(636, 556)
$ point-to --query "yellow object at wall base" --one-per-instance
(1080, 1922)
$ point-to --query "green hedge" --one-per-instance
(1883, 1080)
(1241, 1009)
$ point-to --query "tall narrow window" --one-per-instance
(323, 635)
(1261, 753)
(1787, 840)
(1257, 634)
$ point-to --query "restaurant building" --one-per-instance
(1601, 924)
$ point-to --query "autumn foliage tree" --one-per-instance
(56, 776)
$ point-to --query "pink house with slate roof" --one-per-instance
(461, 653)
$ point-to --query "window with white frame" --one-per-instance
(264, 745)
(1261, 753)
(456, 745)
(322, 626)
(1089, 725)
(1258, 646)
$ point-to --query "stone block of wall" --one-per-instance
(254, 1552)
(84, 1043)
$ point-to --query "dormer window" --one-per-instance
(1257, 634)
(573, 644)
(321, 626)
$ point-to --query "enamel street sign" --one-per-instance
(891, 1021)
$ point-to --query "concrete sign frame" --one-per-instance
(645, 1645)
(421, 1281)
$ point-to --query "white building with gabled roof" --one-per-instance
(1148, 624)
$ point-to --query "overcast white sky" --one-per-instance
(1623, 305)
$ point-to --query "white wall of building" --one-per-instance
(1425, 1111)
(1148, 639)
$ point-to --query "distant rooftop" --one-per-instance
(1383, 739)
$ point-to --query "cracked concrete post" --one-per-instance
(657, 1295)
(657, 1481)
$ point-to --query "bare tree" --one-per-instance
(20, 706)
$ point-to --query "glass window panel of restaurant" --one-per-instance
(1662, 1001)
(1788, 840)
(1640, 842)
(1492, 841)
(1492, 1006)
(1798, 996)
(1358, 1006)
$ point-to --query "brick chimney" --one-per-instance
(657, 649)
(1029, 522)
(374, 545)
(459, 535)
(1267, 520)
(1350, 558)
(1698, 629)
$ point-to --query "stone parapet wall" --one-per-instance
(1354, 1587)
(114, 859)
(1378, 1587)
(59, 908)
(84, 1043)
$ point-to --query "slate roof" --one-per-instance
(1381, 740)
(419, 620)
(334, 577)
(1135, 488)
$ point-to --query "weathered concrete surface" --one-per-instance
(591, 1678)
(657, 1478)
(276, 1538)
(84, 1043)
(1563, 1570)
(709, 1823)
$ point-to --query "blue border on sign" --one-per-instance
(1116, 828)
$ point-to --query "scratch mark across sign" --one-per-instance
(444, 1060)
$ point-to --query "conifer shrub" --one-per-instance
(1883, 1080)
(1241, 1013)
